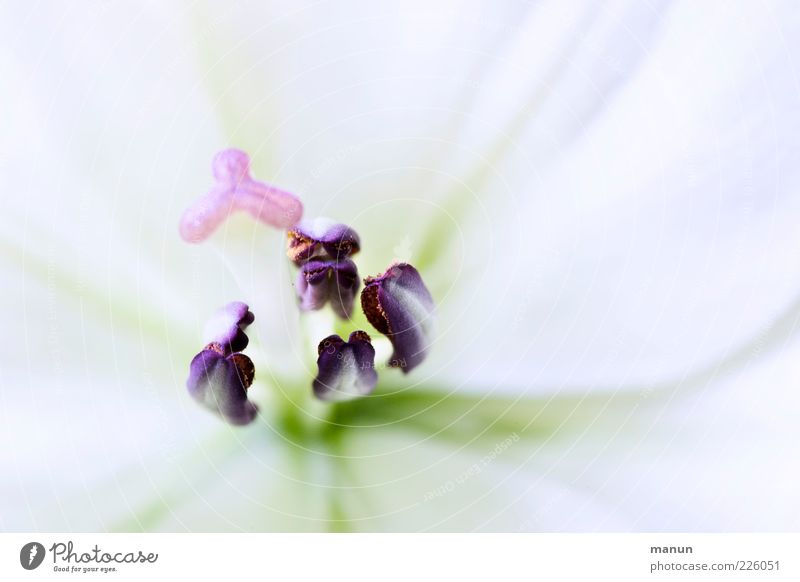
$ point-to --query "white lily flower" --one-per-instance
(602, 200)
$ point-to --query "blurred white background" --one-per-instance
(603, 199)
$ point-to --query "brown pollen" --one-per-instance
(215, 347)
(373, 310)
(297, 245)
(360, 336)
(246, 369)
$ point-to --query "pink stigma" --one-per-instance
(237, 190)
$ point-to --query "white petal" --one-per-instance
(651, 241)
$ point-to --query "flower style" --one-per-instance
(220, 375)
(399, 305)
(237, 190)
(346, 368)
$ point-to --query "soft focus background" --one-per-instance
(603, 198)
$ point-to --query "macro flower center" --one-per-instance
(397, 303)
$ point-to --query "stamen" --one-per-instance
(346, 369)
(321, 238)
(399, 305)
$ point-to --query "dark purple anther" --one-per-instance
(346, 368)
(319, 282)
(219, 375)
(226, 327)
(399, 305)
(321, 238)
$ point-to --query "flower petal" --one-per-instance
(220, 383)
(399, 305)
(346, 369)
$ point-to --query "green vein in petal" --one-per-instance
(473, 421)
